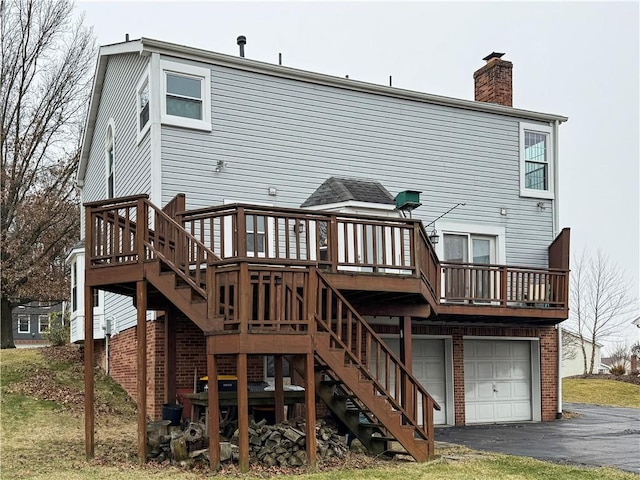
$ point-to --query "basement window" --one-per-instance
(186, 95)
(536, 161)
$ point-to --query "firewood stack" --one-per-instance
(281, 445)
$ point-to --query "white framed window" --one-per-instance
(186, 95)
(74, 286)
(43, 323)
(110, 160)
(23, 324)
(255, 235)
(143, 99)
(536, 161)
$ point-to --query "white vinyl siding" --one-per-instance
(276, 132)
(133, 163)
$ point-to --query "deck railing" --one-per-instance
(132, 230)
(502, 285)
(334, 242)
(376, 361)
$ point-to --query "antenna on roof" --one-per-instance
(242, 41)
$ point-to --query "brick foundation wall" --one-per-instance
(548, 359)
(190, 359)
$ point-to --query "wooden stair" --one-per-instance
(182, 295)
(368, 414)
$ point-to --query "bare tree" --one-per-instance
(601, 302)
(620, 355)
(45, 73)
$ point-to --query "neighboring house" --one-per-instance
(572, 356)
(31, 320)
(286, 170)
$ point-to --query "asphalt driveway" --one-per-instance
(600, 436)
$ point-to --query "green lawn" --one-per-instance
(601, 392)
(44, 439)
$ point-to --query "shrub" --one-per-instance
(58, 331)
(618, 370)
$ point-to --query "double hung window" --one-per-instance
(186, 95)
(536, 161)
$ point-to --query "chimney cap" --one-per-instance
(242, 40)
(493, 55)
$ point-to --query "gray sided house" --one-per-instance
(30, 321)
(168, 119)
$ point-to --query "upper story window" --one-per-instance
(143, 99)
(536, 161)
(110, 160)
(186, 95)
(23, 323)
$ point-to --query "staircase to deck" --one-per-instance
(214, 266)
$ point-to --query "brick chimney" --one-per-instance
(493, 81)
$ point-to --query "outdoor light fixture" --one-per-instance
(434, 237)
(220, 165)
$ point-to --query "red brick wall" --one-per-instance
(548, 354)
(190, 359)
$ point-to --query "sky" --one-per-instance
(577, 59)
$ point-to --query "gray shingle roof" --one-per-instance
(342, 189)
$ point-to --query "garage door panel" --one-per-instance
(497, 381)
(428, 368)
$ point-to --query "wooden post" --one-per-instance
(170, 317)
(243, 413)
(142, 230)
(332, 243)
(279, 388)
(244, 294)
(88, 372)
(503, 286)
(310, 402)
(141, 303)
(406, 356)
(312, 299)
(241, 233)
(213, 411)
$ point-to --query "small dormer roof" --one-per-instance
(342, 189)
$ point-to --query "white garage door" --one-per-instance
(429, 370)
(497, 380)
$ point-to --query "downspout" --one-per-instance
(556, 222)
(559, 412)
(556, 178)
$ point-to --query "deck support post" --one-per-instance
(310, 402)
(170, 317)
(243, 413)
(141, 305)
(279, 388)
(89, 419)
(406, 356)
(213, 411)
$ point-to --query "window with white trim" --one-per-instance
(536, 161)
(109, 149)
(74, 286)
(186, 95)
(43, 323)
(143, 98)
(23, 324)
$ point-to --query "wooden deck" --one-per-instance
(294, 283)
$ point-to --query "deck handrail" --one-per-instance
(359, 346)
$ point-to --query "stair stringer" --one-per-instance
(182, 296)
(376, 404)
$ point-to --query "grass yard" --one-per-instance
(601, 392)
(42, 437)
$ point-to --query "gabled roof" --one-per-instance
(342, 189)
(146, 46)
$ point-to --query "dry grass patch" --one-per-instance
(601, 392)
(41, 439)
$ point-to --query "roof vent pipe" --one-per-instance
(242, 41)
